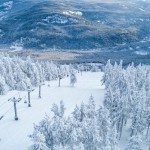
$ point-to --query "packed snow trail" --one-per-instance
(14, 134)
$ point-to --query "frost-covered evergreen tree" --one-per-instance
(85, 129)
(94, 68)
(3, 86)
(127, 97)
(73, 79)
(134, 143)
(18, 73)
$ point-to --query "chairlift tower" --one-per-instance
(15, 101)
(29, 98)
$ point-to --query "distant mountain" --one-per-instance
(115, 25)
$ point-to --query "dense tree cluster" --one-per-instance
(128, 100)
(126, 106)
(85, 129)
(17, 73)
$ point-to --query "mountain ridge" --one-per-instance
(115, 26)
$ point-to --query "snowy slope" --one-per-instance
(14, 134)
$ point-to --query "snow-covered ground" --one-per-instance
(14, 134)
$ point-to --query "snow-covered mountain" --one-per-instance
(115, 25)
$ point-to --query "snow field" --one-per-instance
(14, 134)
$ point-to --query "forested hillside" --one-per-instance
(124, 117)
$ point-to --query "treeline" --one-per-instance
(18, 73)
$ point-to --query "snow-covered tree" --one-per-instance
(73, 79)
(85, 129)
(19, 73)
(134, 143)
(127, 97)
(3, 86)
